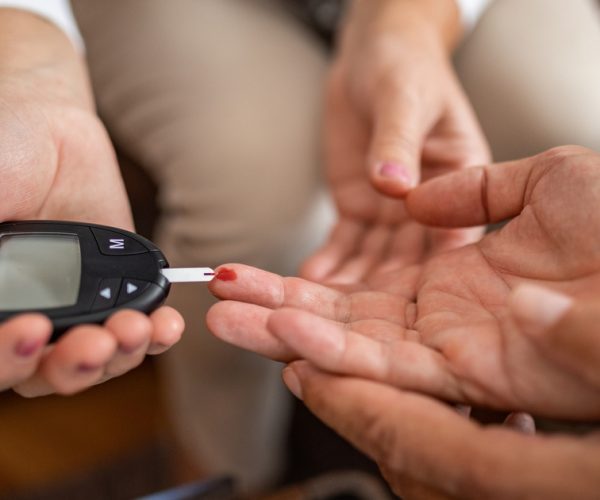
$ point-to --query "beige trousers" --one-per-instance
(220, 101)
(532, 70)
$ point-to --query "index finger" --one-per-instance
(248, 284)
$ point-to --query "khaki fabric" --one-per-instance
(532, 71)
(220, 100)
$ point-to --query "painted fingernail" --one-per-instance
(27, 348)
(539, 307)
(87, 368)
(395, 171)
(292, 382)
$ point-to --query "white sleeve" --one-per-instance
(471, 11)
(57, 11)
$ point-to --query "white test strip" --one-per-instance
(188, 274)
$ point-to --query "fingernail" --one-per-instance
(521, 422)
(158, 346)
(87, 368)
(395, 171)
(463, 410)
(27, 348)
(292, 382)
(539, 307)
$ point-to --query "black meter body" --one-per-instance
(77, 273)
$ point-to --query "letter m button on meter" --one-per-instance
(77, 273)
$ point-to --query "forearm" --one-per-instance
(36, 52)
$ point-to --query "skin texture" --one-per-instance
(392, 100)
(57, 163)
(446, 328)
(426, 450)
(470, 325)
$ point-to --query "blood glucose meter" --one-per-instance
(80, 273)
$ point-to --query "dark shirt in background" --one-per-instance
(322, 16)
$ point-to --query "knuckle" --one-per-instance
(562, 155)
(402, 140)
(394, 142)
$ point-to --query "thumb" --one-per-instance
(412, 436)
(475, 196)
(567, 331)
(399, 128)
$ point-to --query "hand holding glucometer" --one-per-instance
(77, 273)
(94, 292)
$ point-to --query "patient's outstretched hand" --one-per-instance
(446, 327)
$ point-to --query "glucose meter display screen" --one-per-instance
(39, 271)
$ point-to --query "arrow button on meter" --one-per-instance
(130, 290)
(107, 294)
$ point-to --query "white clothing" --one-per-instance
(57, 11)
(471, 11)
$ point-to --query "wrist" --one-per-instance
(383, 38)
(36, 55)
(436, 23)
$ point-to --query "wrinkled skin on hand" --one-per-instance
(444, 327)
(427, 451)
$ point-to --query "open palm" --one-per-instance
(444, 327)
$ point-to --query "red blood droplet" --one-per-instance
(225, 274)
